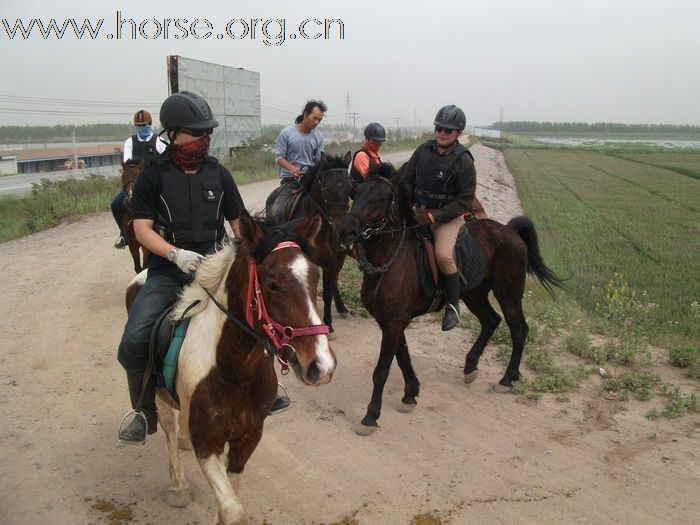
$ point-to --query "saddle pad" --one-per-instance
(169, 361)
(470, 260)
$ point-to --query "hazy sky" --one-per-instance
(632, 61)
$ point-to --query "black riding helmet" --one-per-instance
(375, 131)
(450, 117)
(185, 110)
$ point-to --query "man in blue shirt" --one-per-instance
(297, 148)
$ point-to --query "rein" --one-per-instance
(278, 336)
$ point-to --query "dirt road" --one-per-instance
(466, 455)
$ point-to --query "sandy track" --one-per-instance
(466, 455)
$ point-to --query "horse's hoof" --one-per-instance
(179, 498)
(406, 408)
(344, 315)
(471, 376)
(365, 430)
(183, 443)
(332, 336)
(502, 389)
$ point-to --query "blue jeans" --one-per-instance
(155, 296)
(118, 207)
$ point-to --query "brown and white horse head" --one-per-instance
(284, 295)
(130, 172)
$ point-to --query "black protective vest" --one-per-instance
(435, 175)
(190, 206)
(355, 176)
(144, 150)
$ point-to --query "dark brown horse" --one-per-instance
(390, 286)
(225, 380)
(130, 173)
(324, 192)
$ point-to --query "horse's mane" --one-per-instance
(213, 270)
(384, 169)
(331, 162)
(210, 274)
(273, 234)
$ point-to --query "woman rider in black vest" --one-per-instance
(440, 182)
(180, 202)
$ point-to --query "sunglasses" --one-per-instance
(197, 132)
(440, 129)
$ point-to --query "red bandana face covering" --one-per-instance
(190, 156)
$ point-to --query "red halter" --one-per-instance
(279, 335)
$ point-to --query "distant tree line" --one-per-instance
(595, 127)
(62, 133)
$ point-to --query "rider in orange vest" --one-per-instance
(368, 155)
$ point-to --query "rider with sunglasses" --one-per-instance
(440, 182)
(180, 203)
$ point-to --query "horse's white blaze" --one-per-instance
(324, 359)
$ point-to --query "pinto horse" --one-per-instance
(325, 192)
(130, 173)
(265, 288)
(390, 285)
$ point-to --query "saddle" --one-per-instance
(284, 200)
(164, 349)
(470, 265)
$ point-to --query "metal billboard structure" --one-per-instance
(232, 93)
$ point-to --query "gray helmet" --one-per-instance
(450, 117)
(375, 131)
(185, 110)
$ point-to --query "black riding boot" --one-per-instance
(136, 430)
(451, 316)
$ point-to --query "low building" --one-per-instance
(39, 160)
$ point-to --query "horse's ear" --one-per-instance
(251, 234)
(309, 229)
(347, 158)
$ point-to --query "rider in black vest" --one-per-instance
(186, 195)
(440, 182)
(143, 146)
(367, 156)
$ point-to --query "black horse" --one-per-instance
(392, 294)
(324, 190)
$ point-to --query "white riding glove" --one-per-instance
(187, 260)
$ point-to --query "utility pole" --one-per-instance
(397, 127)
(501, 115)
(353, 116)
(347, 108)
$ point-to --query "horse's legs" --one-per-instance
(411, 383)
(511, 305)
(230, 510)
(477, 301)
(392, 337)
(179, 491)
(339, 304)
(328, 288)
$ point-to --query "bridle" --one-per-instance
(277, 336)
(380, 228)
(325, 205)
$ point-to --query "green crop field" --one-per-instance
(683, 163)
(627, 233)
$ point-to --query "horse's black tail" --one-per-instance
(535, 265)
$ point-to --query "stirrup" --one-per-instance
(284, 402)
(135, 413)
(120, 243)
(447, 327)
